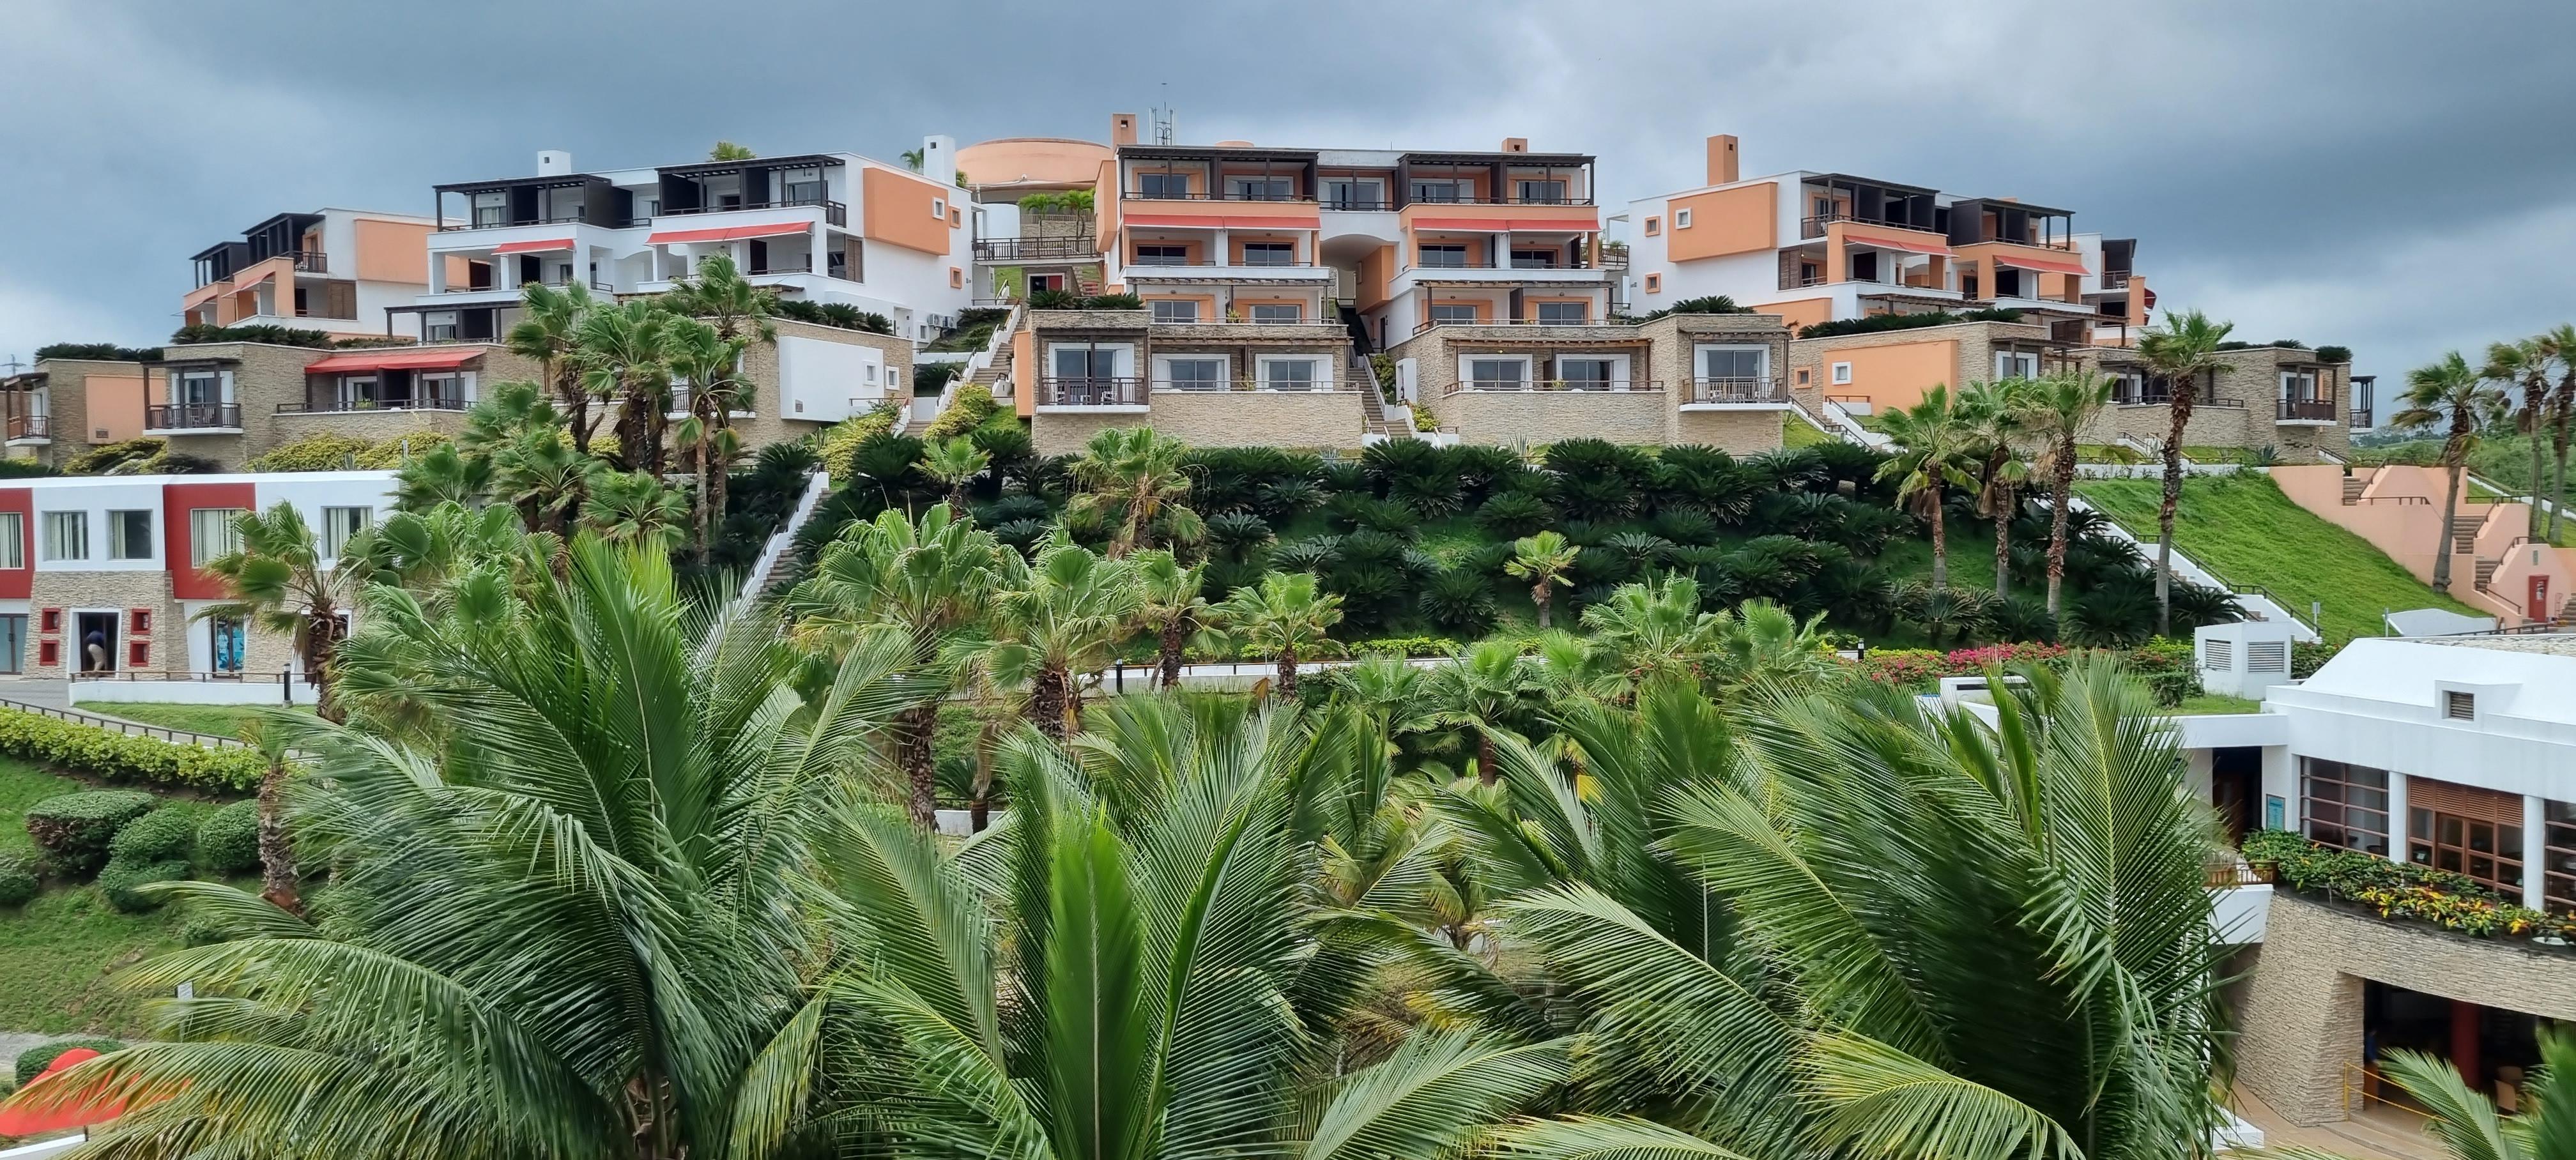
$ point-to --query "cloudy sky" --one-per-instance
(2392, 177)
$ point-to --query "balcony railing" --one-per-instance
(2307, 409)
(1091, 392)
(1814, 227)
(1505, 199)
(2361, 417)
(1423, 326)
(31, 426)
(1358, 204)
(1028, 249)
(500, 223)
(2114, 279)
(1738, 390)
(1221, 195)
(191, 416)
(308, 261)
(785, 264)
(433, 401)
(1587, 386)
(1218, 386)
(834, 213)
(552, 283)
(1248, 260)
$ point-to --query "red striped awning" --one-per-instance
(1891, 242)
(394, 359)
(1583, 224)
(727, 233)
(533, 247)
(2052, 265)
(1234, 221)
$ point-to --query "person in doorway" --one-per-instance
(94, 652)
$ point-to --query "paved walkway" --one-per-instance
(2376, 1133)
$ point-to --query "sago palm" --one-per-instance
(1933, 440)
(2056, 411)
(2183, 351)
(1131, 480)
(2454, 397)
(1543, 559)
(1285, 618)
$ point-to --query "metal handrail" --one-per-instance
(191, 416)
(1426, 325)
(1226, 386)
(1091, 392)
(580, 219)
(1021, 249)
(1159, 263)
(833, 212)
(1737, 389)
(1219, 195)
(307, 261)
(798, 264)
(132, 728)
(432, 402)
(2399, 500)
(1813, 225)
(1577, 386)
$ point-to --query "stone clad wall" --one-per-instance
(1539, 417)
(2302, 1022)
(1291, 419)
(100, 591)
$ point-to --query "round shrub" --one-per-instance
(18, 881)
(73, 830)
(33, 1061)
(228, 840)
(155, 837)
(123, 882)
(320, 451)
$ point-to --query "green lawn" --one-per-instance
(2245, 530)
(1796, 432)
(2212, 703)
(217, 720)
(23, 785)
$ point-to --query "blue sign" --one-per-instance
(2273, 811)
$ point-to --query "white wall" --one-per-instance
(96, 498)
(817, 377)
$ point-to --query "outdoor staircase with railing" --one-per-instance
(2353, 486)
(2464, 534)
(1376, 418)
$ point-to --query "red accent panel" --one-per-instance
(1227, 221)
(2040, 264)
(19, 583)
(49, 653)
(540, 246)
(138, 654)
(727, 233)
(394, 360)
(1908, 244)
(138, 622)
(178, 529)
(50, 622)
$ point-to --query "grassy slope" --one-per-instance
(1796, 432)
(216, 720)
(2244, 529)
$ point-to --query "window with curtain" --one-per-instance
(13, 540)
(211, 535)
(129, 535)
(66, 535)
(342, 524)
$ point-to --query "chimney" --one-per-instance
(1721, 159)
(939, 157)
(1515, 144)
(554, 163)
(1122, 128)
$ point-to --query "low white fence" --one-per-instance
(193, 689)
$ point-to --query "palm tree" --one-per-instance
(1063, 622)
(1649, 631)
(1931, 438)
(565, 932)
(1761, 644)
(624, 360)
(2560, 342)
(549, 331)
(1131, 479)
(1993, 415)
(955, 463)
(710, 363)
(1543, 560)
(1485, 687)
(2451, 393)
(279, 579)
(630, 507)
(1283, 618)
(936, 582)
(2056, 411)
(2523, 367)
(443, 475)
(740, 311)
(1169, 607)
(544, 478)
(2467, 1121)
(2181, 352)
(728, 151)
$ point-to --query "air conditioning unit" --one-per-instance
(2245, 658)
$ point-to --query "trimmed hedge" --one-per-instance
(118, 756)
(228, 840)
(2454, 902)
(33, 1061)
(17, 878)
(123, 880)
(74, 830)
(155, 837)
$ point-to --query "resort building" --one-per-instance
(1036, 223)
(2285, 399)
(332, 270)
(1822, 247)
(1870, 373)
(821, 227)
(2496, 567)
(1714, 379)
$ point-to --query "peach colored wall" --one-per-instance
(1104, 207)
(2512, 581)
(392, 251)
(1377, 269)
(2407, 532)
(1725, 221)
(1892, 376)
(1207, 303)
(898, 211)
(1806, 312)
(1024, 361)
(1205, 209)
(1532, 304)
(1475, 247)
(115, 405)
(1575, 216)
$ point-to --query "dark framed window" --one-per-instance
(2558, 851)
(1162, 255)
(1445, 257)
(1269, 253)
(1173, 185)
(2344, 805)
(1564, 313)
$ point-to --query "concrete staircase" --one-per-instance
(2353, 486)
(1376, 418)
(2464, 533)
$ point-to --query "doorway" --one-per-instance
(2535, 604)
(96, 634)
(2236, 788)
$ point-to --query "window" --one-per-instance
(1453, 312)
(2459, 706)
(1497, 374)
(1269, 253)
(1166, 185)
(1654, 227)
(1564, 313)
(1542, 192)
(1804, 376)
(1534, 259)
(342, 524)
(1277, 312)
(1194, 374)
(1444, 257)
(1086, 362)
(1162, 255)
(2466, 830)
(1735, 364)
(66, 535)
(226, 641)
(2558, 846)
(129, 535)
(2298, 386)
(445, 391)
(1842, 374)
(13, 541)
(492, 209)
(1588, 374)
(1175, 310)
(1654, 283)
(438, 326)
(1263, 189)
(358, 392)
(1290, 374)
(802, 186)
(1681, 219)
(1354, 193)
(939, 208)
(13, 643)
(211, 535)
(199, 386)
(1439, 191)
(2016, 364)
(2344, 805)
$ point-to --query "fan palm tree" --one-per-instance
(1064, 621)
(718, 294)
(280, 580)
(710, 365)
(1932, 439)
(1131, 479)
(2451, 394)
(2560, 342)
(1485, 688)
(442, 475)
(1649, 631)
(936, 582)
(1544, 560)
(544, 478)
(549, 331)
(625, 361)
(954, 463)
(2182, 352)
(1994, 416)
(1169, 607)
(2523, 369)
(1762, 645)
(566, 932)
(1286, 619)
(630, 507)
(2056, 411)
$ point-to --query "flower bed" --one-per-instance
(114, 756)
(2454, 902)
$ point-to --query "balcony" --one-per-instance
(1814, 227)
(192, 418)
(2115, 279)
(2306, 411)
(1218, 195)
(1089, 392)
(1222, 386)
(1737, 392)
(30, 428)
(431, 401)
(784, 264)
(503, 222)
(1579, 386)
(1083, 247)
(2361, 419)
(834, 213)
(550, 283)
(1428, 324)
(1507, 199)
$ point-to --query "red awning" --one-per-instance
(727, 233)
(534, 247)
(394, 359)
(1495, 225)
(2052, 265)
(1234, 221)
(47, 1105)
(1909, 245)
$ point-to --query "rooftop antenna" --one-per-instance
(1162, 114)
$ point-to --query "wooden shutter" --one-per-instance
(2466, 801)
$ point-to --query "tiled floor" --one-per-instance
(2378, 1132)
